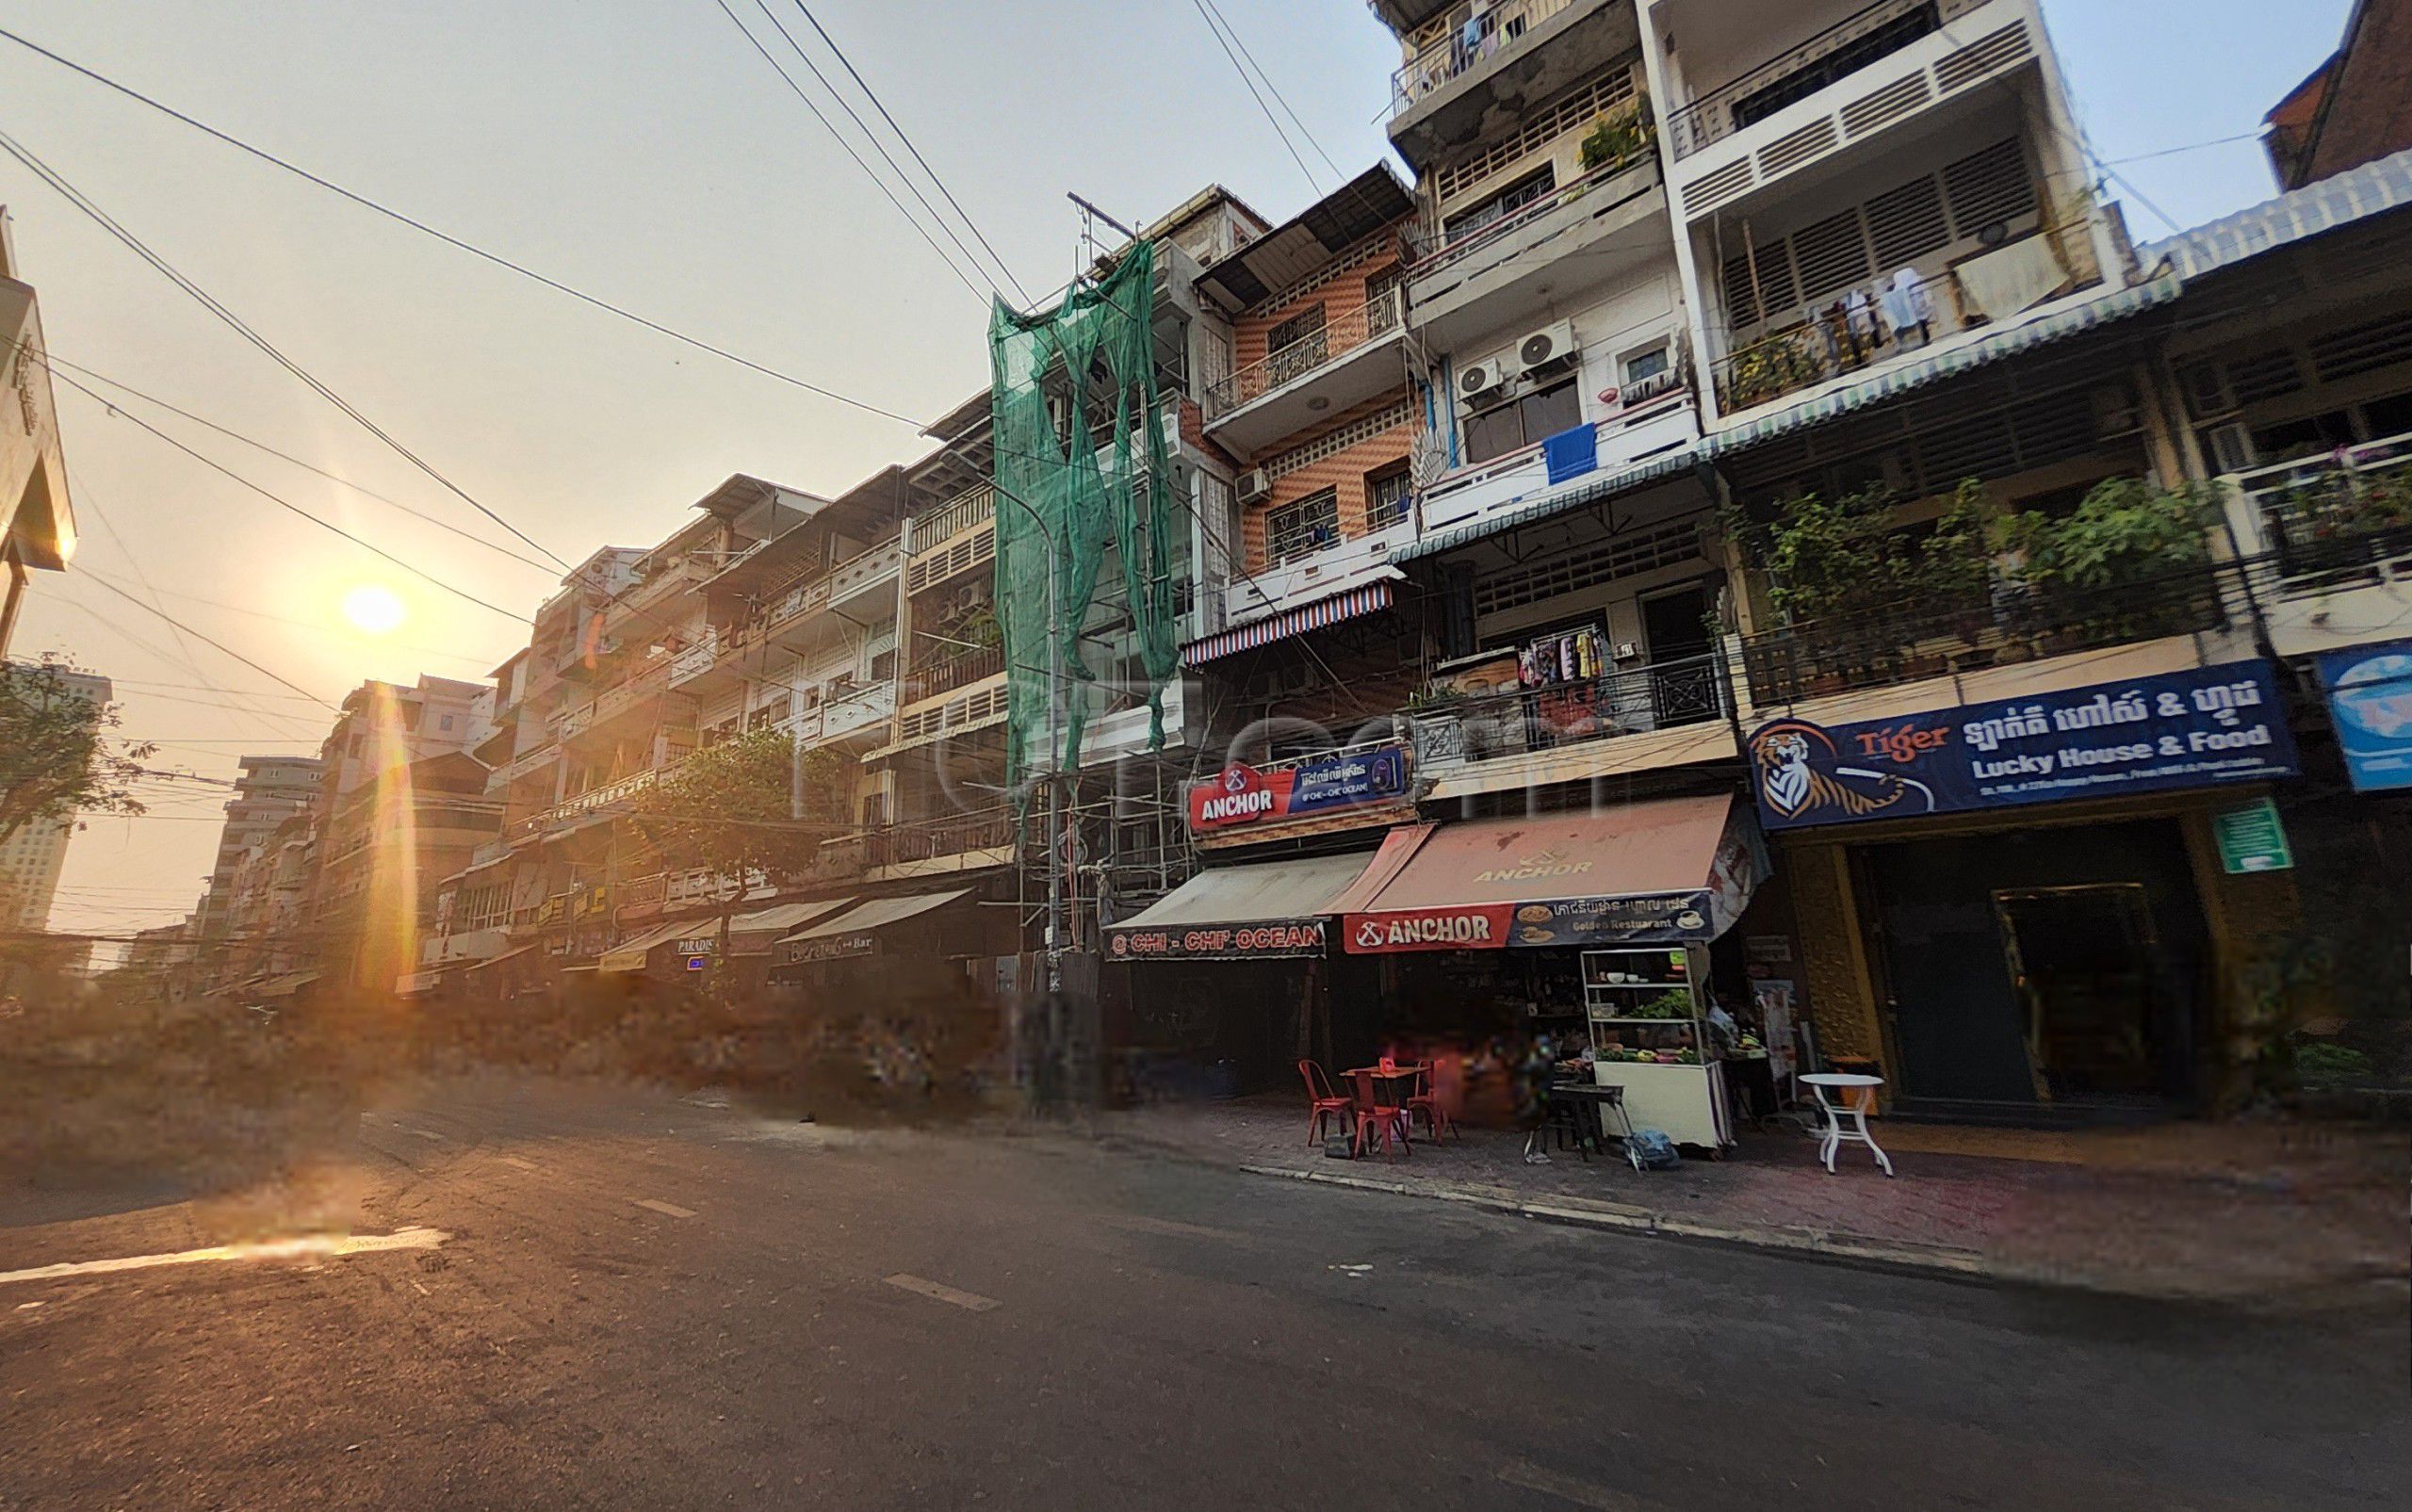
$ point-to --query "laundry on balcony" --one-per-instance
(2009, 280)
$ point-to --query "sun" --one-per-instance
(373, 610)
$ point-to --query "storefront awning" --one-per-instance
(411, 983)
(1265, 910)
(1669, 870)
(283, 986)
(630, 955)
(512, 953)
(856, 931)
(1345, 605)
(753, 933)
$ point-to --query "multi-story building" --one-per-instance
(270, 789)
(2353, 108)
(32, 855)
(37, 524)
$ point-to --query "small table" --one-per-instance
(1381, 1077)
(1862, 1090)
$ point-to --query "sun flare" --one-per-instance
(372, 608)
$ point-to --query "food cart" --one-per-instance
(1649, 1019)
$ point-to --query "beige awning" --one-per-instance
(755, 933)
(851, 932)
(630, 955)
(1263, 910)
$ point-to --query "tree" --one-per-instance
(54, 764)
(749, 811)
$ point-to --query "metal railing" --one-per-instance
(1434, 253)
(2338, 519)
(1842, 49)
(1470, 39)
(1341, 334)
(987, 829)
(955, 672)
(953, 517)
(1911, 641)
(1627, 701)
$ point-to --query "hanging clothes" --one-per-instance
(1909, 306)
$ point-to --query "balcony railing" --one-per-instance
(1842, 49)
(2340, 519)
(1474, 36)
(1436, 253)
(955, 672)
(1914, 641)
(696, 659)
(1342, 333)
(987, 829)
(605, 796)
(1627, 701)
(857, 709)
(650, 678)
(952, 519)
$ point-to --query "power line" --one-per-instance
(873, 96)
(207, 641)
(831, 126)
(880, 148)
(478, 659)
(447, 238)
(1241, 43)
(235, 323)
(1253, 94)
(283, 503)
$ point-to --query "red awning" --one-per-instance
(1667, 871)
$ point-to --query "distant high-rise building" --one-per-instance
(30, 858)
(271, 790)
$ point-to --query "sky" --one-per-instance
(641, 151)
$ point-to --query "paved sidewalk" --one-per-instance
(2272, 1214)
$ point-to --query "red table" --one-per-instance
(1391, 1077)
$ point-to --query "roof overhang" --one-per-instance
(1300, 247)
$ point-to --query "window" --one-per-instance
(1387, 494)
(875, 810)
(448, 721)
(1294, 529)
(1643, 364)
(1524, 421)
(1505, 202)
(883, 666)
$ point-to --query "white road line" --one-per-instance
(301, 1246)
(1566, 1487)
(1136, 1224)
(970, 1301)
(522, 1164)
(428, 1133)
(668, 1209)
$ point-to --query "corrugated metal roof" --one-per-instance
(1567, 496)
(2114, 305)
(2357, 194)
(1302, 244)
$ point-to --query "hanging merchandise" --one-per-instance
(1071, 494)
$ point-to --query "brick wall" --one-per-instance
(1344, 472)
(1339, 290)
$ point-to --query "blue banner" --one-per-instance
(2369, 695)
(2182, 729)
(1342, 782)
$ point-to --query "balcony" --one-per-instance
(1652, 420)
(1491, 278)
(983, 836)
(1316, 574)
(846, 587)
(590, 803)
(1355, 357)
(959, 514)
(1492, 59)
(1530, 734)
(958, 671)
(868, 708)
(696, 659)
(540, 760)
(651, 679)
(1920, 642)
(2337, 532)
(1877, 68)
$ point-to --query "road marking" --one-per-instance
(1566, 1487)
(427, 1133)
(295, 1248)
(1172, 1227)
(522, 1164)
(668, 1209)
(970, 1301)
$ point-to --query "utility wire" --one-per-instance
(221, 645)
(1241, 43)
(1270, 118)
(873, 96)
(886, 157)
(450, 240)
(978, 293)
(235, 323)
(482, 660)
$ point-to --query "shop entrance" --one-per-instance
(2081, 959)
(2060, 966)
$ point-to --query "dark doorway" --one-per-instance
(2081, 960)
(1683, 681)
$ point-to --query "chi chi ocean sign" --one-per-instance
(2179, 729)
(1243, 795)
(2370, 694)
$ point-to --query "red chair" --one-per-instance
(1426, 1100)
(1375, 1116)
(1325, 1103)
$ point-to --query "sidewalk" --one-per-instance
(2273, 1215)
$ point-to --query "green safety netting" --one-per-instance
(1064, 492)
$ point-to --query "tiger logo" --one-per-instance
(1794, 784)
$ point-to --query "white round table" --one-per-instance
(1860, 1096)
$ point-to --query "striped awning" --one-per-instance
(1562, 499)
(1348, 603)
(2115, 305)
(2357, 194)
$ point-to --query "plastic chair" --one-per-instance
(1325, 1103)
(1375, 1116)
(1426, 1100)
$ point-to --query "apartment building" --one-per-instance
(268, 790)
(37, 523)
(33, 856)
(2354, 109)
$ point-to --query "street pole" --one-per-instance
(1054, 771)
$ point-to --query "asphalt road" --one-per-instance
(644, 1303)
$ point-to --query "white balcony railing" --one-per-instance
(1473, 35)
(1852, 43)
(860, 710)
(696, 659)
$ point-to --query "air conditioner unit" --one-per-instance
(1254, 485)
(2207, 391)
(2232, 449)
(1551, 344)
(1476, 379)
